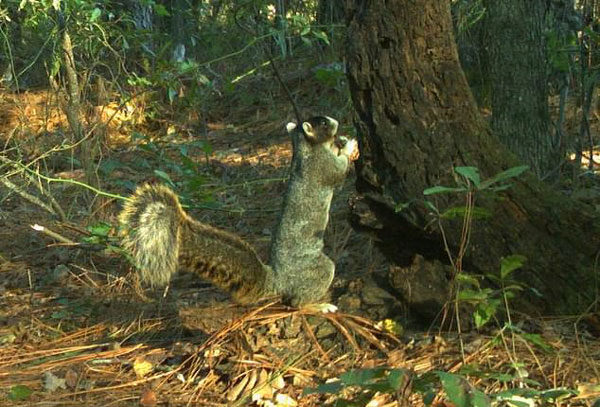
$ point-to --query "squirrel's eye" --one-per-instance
(323, 122)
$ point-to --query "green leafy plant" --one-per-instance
(370, 381)
(400, 383)
(184, 165)
(467, 288)
(487, 301)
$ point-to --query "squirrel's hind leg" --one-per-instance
(314, 284)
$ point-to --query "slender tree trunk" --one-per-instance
(519, 76)
(416, 119)
(182, 26)
(72, 107)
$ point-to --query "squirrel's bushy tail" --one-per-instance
(151, 226)
(161, 237)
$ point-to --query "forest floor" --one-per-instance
(76, 329)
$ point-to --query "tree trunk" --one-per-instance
(142, 14)
(182, 29)
(519, 77)
(416, 119)
(72, 107)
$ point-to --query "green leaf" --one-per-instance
(172, 94)
(469, 279)
(305, 30)
(518, 397)
(55, 66)
(484, 312)
(514, 401)
(454, 386)
(518, 391)
(556, 395)
(360, 377)
(461, 211)
(537, 340)
(160, 10)
(480, 399)
(472, 295)
(100, 229)
(325, 388)
(163, 175)
(425, 382)
(443, 190)
(470, 173)
(397, 378)
(322, 36)
(96, 13)
(430, 206)
(479, 319)
(19, 392)
(513, 287)
(501, 377)
(504, 175)
(510, 264)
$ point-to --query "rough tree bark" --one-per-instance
(416, 119)
(516, 50)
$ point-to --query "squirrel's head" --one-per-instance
(318, 129)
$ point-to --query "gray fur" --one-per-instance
(303, 273)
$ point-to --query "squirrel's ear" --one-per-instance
(290, 127)
(308, 130)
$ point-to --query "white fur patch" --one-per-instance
(290, 126)
(350, 147)
(321, 307)
(334, 122)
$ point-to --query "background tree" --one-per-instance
(182, 29)
(416, 119)
(518, 74)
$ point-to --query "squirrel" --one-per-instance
(319, 165)
(161, 236)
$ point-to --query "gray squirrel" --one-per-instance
(162, 237)
(319, 165)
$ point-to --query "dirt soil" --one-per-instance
(76, 328)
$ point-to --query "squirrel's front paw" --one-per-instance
(351, 150)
